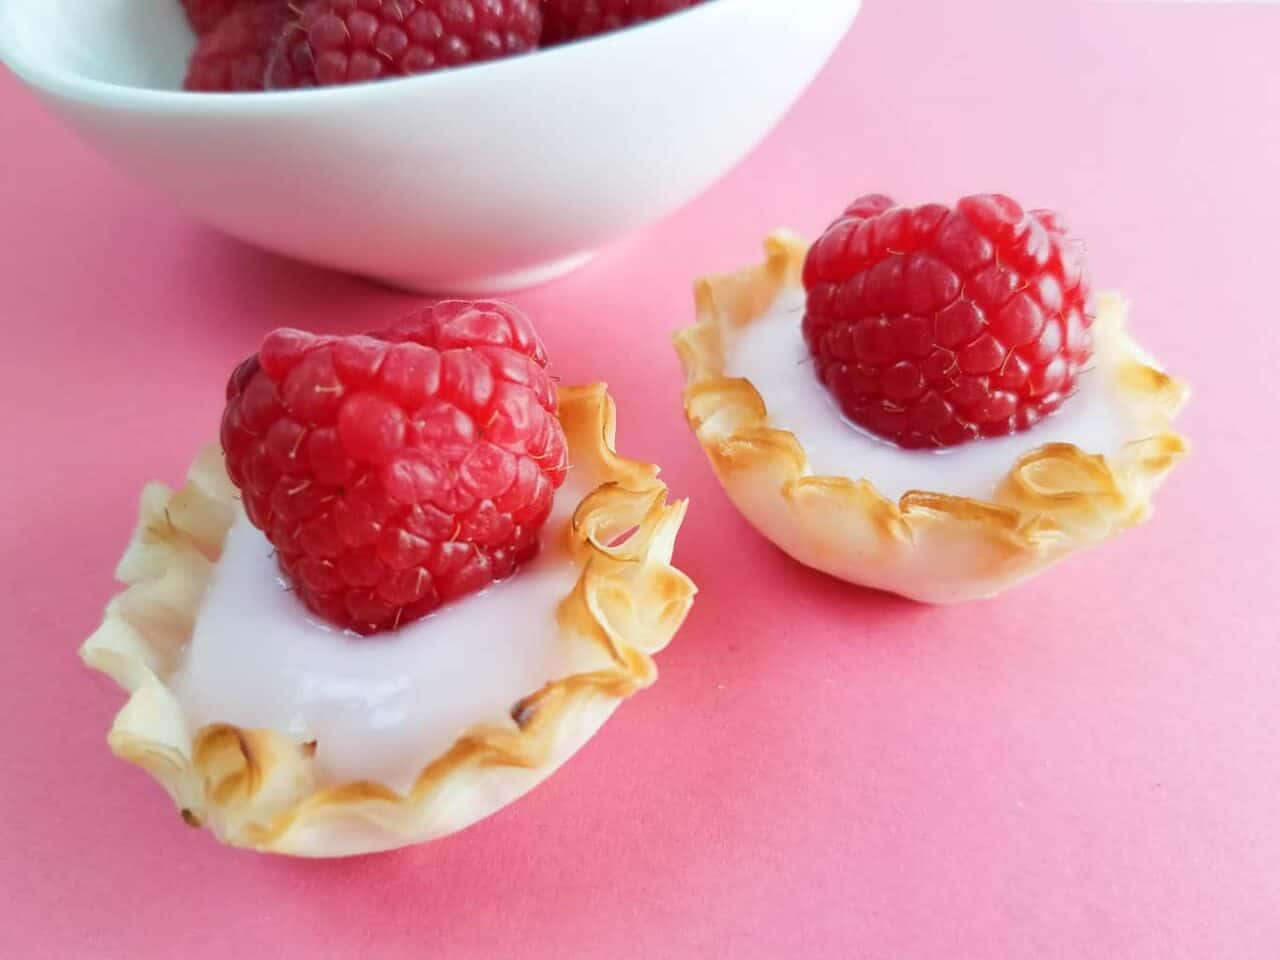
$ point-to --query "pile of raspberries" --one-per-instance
(247, 45)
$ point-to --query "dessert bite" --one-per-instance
(413, 580)
(929, 400)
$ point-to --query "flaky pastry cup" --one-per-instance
(258, 788)
(931, 546)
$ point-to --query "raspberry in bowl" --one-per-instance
(385, 606)
(476, 179)
(252, 45)
(929, 400)
(567, 20)
(258, 45)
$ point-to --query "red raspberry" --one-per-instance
(237, 54)
(565, 20)
(398, 471)
(348, 41)
(932, 326)
(207, 14)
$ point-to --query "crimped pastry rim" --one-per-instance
(1055, 497)
(255, 788)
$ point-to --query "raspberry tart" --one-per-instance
(412, 580)
(929, 400)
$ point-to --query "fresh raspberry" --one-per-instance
(349, 41)
(565, 20)
(398, 471)
(204, 15)
(237, 54)
(933, 325)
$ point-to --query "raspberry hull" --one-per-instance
(399, 471)
(933, 326)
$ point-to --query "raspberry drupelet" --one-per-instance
(933, 325)
(398, 471)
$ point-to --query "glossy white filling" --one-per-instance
(379, 708)
(771, 353)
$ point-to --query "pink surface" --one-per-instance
(1089, 766)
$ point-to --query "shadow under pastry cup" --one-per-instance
(931, 545)
(263, 788)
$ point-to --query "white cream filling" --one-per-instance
(379, 708)
(771, 353)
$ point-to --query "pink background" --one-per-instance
(1086, 767)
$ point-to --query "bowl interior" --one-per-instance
(132, 43)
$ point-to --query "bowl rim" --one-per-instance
(75, 86)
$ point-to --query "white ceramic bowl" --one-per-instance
(475, 180)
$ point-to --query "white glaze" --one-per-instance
(771, 353)
(379, 708)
